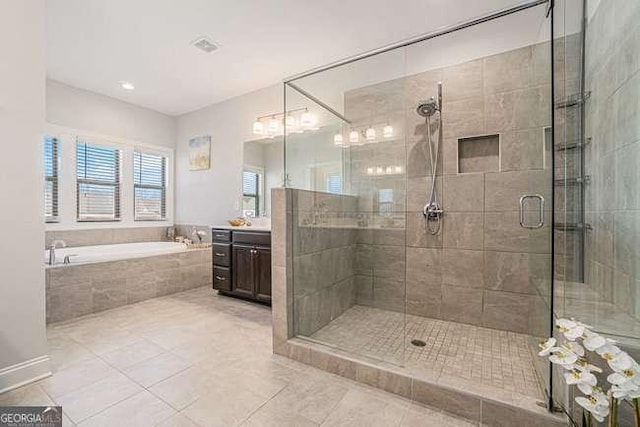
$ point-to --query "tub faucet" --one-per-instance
(52, 250)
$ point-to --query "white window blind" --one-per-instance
(51, 180)
(150, 186)
(98, 182)
(250, 193)
(334, 183)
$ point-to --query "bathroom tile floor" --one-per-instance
(465, 355)
(199, 359)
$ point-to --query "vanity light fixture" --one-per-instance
(354, 137)
(290, 122)
(370, 134)
(274, 126)
(258, 128)
(127, 85)
(387, 131)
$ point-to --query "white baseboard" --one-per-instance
(24, 373)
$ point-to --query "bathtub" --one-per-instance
(108, 276)
(102, 253)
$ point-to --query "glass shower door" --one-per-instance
(349, 239)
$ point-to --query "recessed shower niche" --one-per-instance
(479, 154)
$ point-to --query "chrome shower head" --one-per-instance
(427, 108)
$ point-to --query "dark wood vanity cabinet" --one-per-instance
(242, 264)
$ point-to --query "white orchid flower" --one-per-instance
(598, 408)
(621, 362)
(585, 381)
(571, 329)
(546, 346)
(582, 365)
(608, 351)
(627, 390)
(562, 356)
(574, 347)
(631, 375)
(593, 341)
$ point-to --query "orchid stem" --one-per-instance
(612, 421)
(636, 411)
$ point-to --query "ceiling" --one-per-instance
(95, 44)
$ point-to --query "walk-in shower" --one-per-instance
(424, 167)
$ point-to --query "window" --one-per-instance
(251, 184)
(150, 186)
(98, 182)
(334, 183)
(51, 180)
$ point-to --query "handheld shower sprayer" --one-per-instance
(432, 211)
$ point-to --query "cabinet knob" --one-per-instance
(220, 278)
(220, 254)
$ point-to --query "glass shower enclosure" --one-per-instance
(423, 204)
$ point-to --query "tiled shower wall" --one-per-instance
(612, 158)
(324, 258)
(482, 268)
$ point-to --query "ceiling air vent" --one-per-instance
(205, 45)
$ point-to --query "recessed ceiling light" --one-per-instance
(127, 85)
(205, 44)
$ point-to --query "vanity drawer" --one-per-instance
(252, 238)
(221, 254)
(221, 235)
(221, 278)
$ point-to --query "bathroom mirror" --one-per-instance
(263, 167)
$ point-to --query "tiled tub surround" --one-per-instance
(464, 397)
(482, 268)
(77, 290)
(107, 236)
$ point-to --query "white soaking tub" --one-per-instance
(103, 253)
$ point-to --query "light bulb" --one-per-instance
(274, 126)
(290, 122)
(370, 134)
(389, 170)
(338, 139)
(379, 170)
(306, 120)
(387, 131)
(354, 137)
(369, 171)
(258, 127)
(398, 169)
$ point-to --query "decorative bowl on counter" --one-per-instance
(237, 222)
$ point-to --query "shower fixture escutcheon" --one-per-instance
(432, 211)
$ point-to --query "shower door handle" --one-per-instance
(523, 223)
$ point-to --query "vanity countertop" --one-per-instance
(243, 227)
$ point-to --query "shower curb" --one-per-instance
(462, 403)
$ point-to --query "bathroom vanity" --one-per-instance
(242, 263)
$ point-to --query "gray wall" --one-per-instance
(323, 258)
(613, 157)
(482, 268)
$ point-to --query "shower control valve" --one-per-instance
(432, 211)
